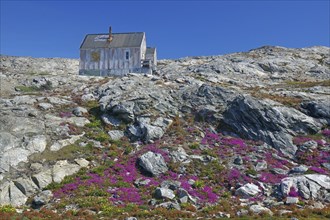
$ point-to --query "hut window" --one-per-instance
(127, 55)
(95, 56)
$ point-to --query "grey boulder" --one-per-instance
(79, 111)
(248, 190)
(116, 134)
(308, 186)
(257, 209)
(162, 193)
(267, 121)
(42, 198)
(153, 163)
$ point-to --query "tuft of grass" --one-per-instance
(199, 184)
(96, 123)
(251, 172)
(194, 146)
(285, 100)
(307, 84)
(71, 151)
(31, 89)
(7, 209)
(27, 89)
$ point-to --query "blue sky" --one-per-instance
(176, 28)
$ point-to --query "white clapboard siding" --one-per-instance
(108, 60)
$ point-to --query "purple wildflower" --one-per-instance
(293, 192)
(65, 114)
(326, 132)
(318, 170)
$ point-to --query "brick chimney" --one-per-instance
(110, 34)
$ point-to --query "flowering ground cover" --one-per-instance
(111, 187)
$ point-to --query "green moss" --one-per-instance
(94, 124)
(110, 210)
(194, 146)
(199, 184)
(31, 89)
(71, 151)
(226, 194)
(95, 191)
(91, 201)
(251, 172)
(7, 209)
(27, 89)
(99, 170)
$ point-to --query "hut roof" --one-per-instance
(119, 40)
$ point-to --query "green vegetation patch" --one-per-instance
(68, 152)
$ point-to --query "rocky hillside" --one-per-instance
(244, 134)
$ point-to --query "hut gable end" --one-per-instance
(115, 54)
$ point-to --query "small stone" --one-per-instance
(45, 106)
(170, 205)
(292, 200)
(262, 165)
(62, 169)
(72, 207)
(36, 166)
(283, 212)
(161, 193)
(152, 202)
(116, 134)
(238, 160)
(299, 169)
(257, 209)
(318, 205)
(79, 111)
(82, 162)
(111, 120)
(248, 190)
(222, 215)
(42, 199)
(242, 212)
(153, 163)
(180, 155)
(326, 165)
(87, 97)
(141, 182)
(279, 171)
(131, 218)
(170, 184)
(191, 182)
(43, 178)
(309, 145)
(184, 196)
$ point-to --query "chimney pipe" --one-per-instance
(110, 34)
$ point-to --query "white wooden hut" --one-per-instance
(116, 54)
